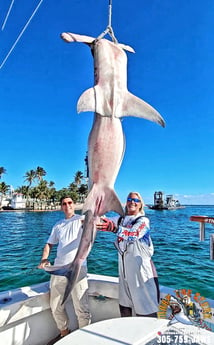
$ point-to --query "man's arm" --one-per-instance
(45, 255)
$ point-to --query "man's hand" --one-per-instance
(43, 263)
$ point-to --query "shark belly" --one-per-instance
(105, 154)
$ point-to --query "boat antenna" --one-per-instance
(109, 29)
(21, 33)
(7, 15)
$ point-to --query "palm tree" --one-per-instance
(62, 192)
(51, 184)
(30, 176)
(73, 187)
(2, 171)
(4, 188)
(42, 190)
(23, 190)
(51, 190)
(78, 177)
(83, 190)
(40, 172)
(41, 193)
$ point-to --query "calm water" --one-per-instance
(182, 261)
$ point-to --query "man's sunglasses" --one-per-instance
(67, 203)
(133, 199)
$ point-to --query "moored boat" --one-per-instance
(165, 203)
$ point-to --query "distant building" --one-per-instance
(18, 201)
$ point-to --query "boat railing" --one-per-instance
(202, 221)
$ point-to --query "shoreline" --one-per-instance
(77, 207)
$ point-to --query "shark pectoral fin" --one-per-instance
(94, 99)
(112, 202)
(134, 106)
(86, 101)
(102, 200)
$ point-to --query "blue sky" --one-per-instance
(42, 78)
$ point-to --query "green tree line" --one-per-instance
(38, 188)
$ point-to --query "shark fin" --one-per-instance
(134, 106)
(102, 200)
(86, 101)
(94, 99)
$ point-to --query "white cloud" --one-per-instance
(189, 199)
(196, 199)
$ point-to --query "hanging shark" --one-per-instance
(110, 100)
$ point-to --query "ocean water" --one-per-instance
(181, 260)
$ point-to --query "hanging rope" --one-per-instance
(109, 29)
(7, 15)
(20, 35)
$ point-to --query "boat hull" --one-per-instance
(26, 319)
(165, 208)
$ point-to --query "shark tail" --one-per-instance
(72, 276)
(102, 200)
(70, 271)
(57, 270)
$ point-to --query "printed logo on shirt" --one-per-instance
(126, 234)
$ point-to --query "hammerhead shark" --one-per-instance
(110, 100)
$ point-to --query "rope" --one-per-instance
(7, 15)
(110, 13)
(109, 29)
(21, 33)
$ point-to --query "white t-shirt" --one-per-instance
(67, 234)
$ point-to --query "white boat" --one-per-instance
(26, 319)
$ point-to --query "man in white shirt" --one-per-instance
(67, 235)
